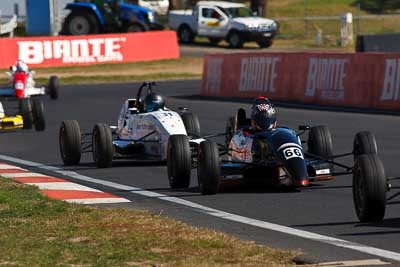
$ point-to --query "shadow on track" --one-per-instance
(291, 105)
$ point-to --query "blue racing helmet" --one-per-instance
(263, 113)
(153, 102)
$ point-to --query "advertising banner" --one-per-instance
(334, 79)
(89, 49)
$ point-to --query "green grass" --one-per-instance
(122, 78)
(37, 231)
(295, 31)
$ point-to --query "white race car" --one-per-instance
(144, 128)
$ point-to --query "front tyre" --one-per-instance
(53, 86)
(364, 143)
(369, 188)
(102, 145)
(38, 115)
(70, 142)
(320, 142)
(192, 124)
(26, 113)
(179, 161)
(208, 169)
(265, 42)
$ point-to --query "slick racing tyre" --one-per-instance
(179, 161)
(26, 113)
(364, 143)
(53, 86)
(70, 142)
(320, 142)
(192, 124)
(208, 171)
(102, 145)
(369, 188)
(38, 115)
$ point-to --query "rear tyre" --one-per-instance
(179, 162)
(70, 142)
(364, 143)
(53, 86)
(80, 23)
(26, 113)
(208, 172)
(369, 188)
(185, 34)
(320, 142)
(102, 145)
(192, 124)
(38, 115)
(235, 40)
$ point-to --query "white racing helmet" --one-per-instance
(21, 66)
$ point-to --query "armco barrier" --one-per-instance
(89, 49)
(335, 79)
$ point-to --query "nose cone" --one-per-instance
(297, 169)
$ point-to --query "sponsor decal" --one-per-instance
(213, 82)
(391, 84)
(144, 126)
(292, 152)
(258, 74)
(326, 75)
(87, 50)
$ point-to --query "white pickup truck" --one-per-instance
(219, 20)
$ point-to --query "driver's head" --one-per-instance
(21, 66)
(153, 102)
(263, 115)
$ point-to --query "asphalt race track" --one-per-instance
(325, 208)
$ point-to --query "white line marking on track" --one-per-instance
(10, 167)
(218, 213)
(63, 186)
(372, 262)
(22, 175)
(98, 200)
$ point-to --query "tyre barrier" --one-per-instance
(357, 80)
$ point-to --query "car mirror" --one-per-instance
(133, 110)
(304, 127)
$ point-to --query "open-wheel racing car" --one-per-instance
(277, 156)
(22, 85)
(144, 127)
(31, 114)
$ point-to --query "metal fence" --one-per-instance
(9, 26)
(328, 28)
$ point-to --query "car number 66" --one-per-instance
(292, 152)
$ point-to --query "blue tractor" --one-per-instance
(107, 16)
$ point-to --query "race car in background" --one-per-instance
(22, 85)
(279, 157)
(144, 127)
(31, 114)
